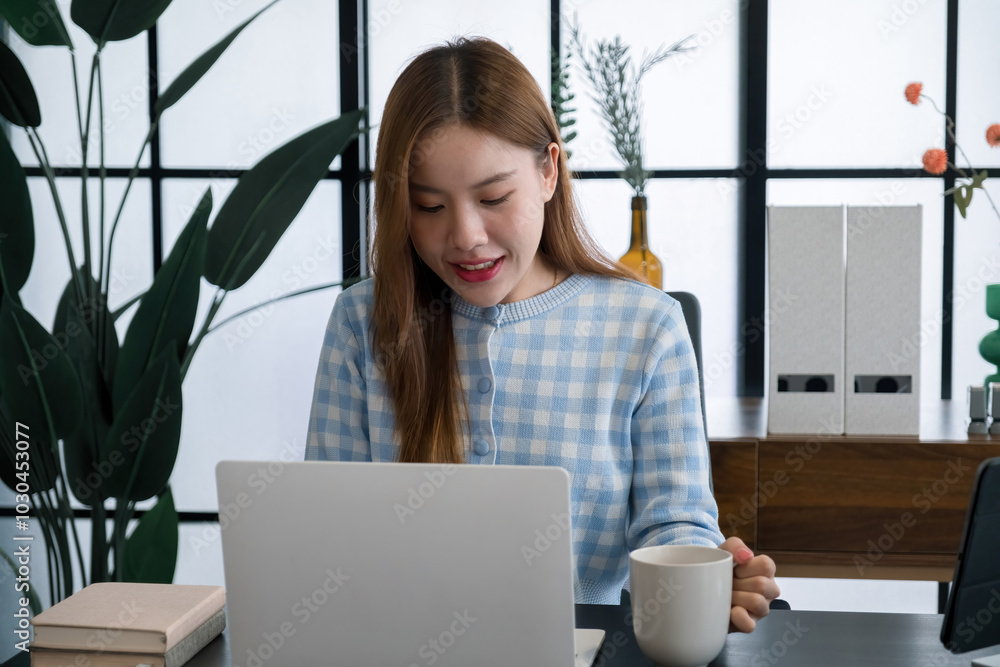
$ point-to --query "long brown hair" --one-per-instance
(478, 83)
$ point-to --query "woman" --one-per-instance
(495, 332)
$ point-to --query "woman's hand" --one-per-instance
(753, 586)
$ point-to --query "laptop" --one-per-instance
(348, 563)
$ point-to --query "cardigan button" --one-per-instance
(492, 313)
(481, 447)
(485, 384)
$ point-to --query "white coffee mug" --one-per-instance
(681, 597)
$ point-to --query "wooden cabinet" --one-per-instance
(846, 506)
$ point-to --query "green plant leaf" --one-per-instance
(35, 366)
(116, 20)
(977, 180)
(38, 22)
(38, 385)
(963, 197)
(166, 313)
(268, 197)
(80, 450)
(190, 76)
(17, 226)
(38, 444)
(91, 311)
(150, 552)
(142, 443)
(18, 102)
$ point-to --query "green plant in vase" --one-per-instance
(81, 412)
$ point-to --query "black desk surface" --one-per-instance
(785, 638)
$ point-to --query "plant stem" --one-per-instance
(189, 355)
(76, 92)
(79, 550)
(50, 562)
(117, 533)
(47, 521)
(66, 509)
(65, 559)
(125, 306)
(84, 172)
(128, 186)
(124, 511)
(104, 277)
(950, 129)
(61, 511)
(39, 150)
(52, 528)
(307, 290)
(98, 546)
(102, 175)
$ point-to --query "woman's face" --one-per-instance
(477, 206)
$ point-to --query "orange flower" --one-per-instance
(913, 93)
(935, 161)
(993, 135)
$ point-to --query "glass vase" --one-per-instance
(639, 259)
(989, 346)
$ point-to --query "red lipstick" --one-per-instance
(482, 275)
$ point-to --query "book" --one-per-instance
(121, 617)
(181, 652)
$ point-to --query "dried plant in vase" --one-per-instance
(616, 83)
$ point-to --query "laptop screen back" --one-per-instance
(404, 564)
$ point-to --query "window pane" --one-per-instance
(977, 263)
(978, 95)
(690, 102)
(199, 555)
(249, 388)
(126, 99)
(836, 74)
(277, 79)
(132, 265)
(693, 230)
(398, 31)
(903, 192)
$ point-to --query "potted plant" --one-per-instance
(81, 412)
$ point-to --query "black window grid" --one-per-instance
(354, 176)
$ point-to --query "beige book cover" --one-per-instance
(181, 652)
(127, 617)
(45, 657)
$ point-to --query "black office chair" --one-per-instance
(692, 316)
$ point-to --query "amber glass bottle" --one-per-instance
(639, 259)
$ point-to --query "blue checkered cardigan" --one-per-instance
(596, 375)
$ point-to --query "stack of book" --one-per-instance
(128, 625)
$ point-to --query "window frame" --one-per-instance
(355, 173)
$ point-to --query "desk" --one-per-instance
(857, 507)
(785, 638)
